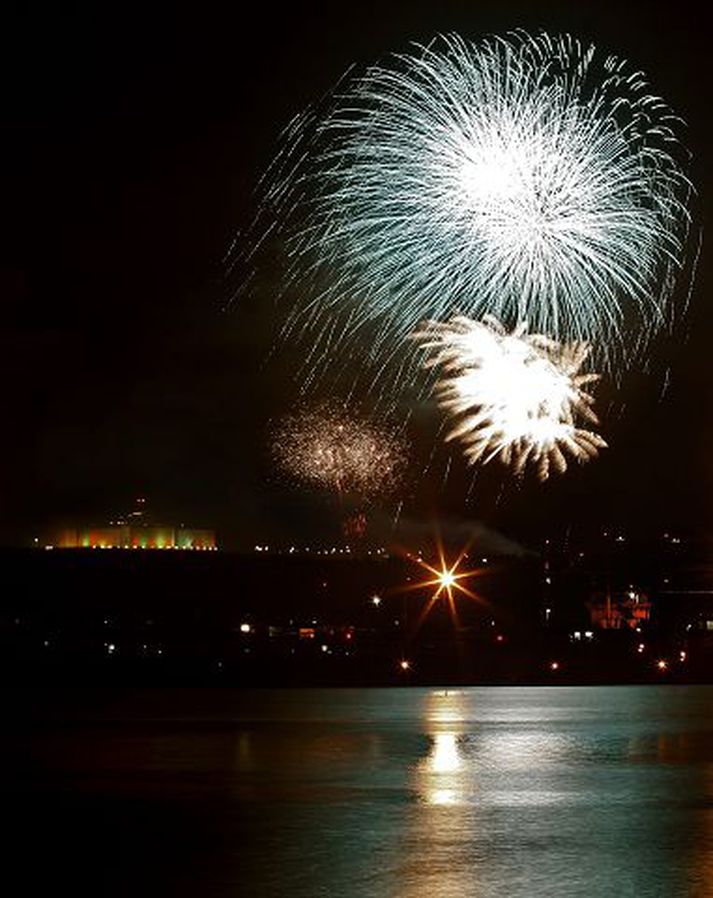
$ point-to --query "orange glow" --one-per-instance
(447, 578)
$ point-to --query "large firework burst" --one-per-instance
(526, 177)
(329, 447)
(514, 396)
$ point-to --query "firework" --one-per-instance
(514, 396)
(354, 527)
(530, 178)
(328, 447)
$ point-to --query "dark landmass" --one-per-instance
(621, 612)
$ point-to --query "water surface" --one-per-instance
(600, 792)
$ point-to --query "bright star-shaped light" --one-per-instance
(447, 578)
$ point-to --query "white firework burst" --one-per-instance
(526, 177)
(515, 396)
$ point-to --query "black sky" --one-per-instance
(132, 140)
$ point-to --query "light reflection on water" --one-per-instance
(568, 792)
(449, 774)
(440, 777)
(440, 782)
(445, 756)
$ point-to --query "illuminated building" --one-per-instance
(131, 536)
(133, 531)
(630, 609)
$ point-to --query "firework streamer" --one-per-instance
(514, 396)
(528, 177)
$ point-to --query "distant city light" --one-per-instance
(405, 665)
(376, 601)
(447, 578)
(245, 628)
(662, 665)
(554, 665)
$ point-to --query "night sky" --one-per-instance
(132, 143)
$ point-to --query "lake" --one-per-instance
(601, 792)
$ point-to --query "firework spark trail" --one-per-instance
(328, 447)
(513, 396)
(529, 178)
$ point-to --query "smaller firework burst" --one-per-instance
(329, 447)
(355, 526)
(514, 396)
